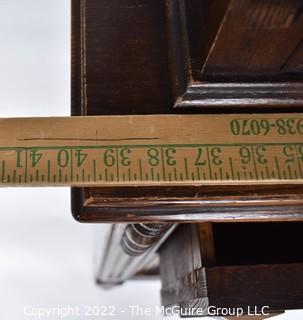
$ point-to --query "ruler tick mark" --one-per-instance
(140, 169)
(3, 171)
(284, 174)
(255, 164)
(95, 170)
(175, 174)
(278, 168)
(289, 172)
(198, 172)
(209, 164)
(186, 169)
(232, 168)
(163, 165)
(48, 170)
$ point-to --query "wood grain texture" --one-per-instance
(187, 204)
(276, 286)
(138, 238)
(181, 255)
(207, 244)
(255, 38)
(242, 96)
(279, 286)
(123, 258)
(136, 56)
(249, 277)
(294, 63)
(123, 65)
(235, 54)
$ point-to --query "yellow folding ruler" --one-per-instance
(152, 150)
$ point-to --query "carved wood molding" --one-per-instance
(139, 237)
(130, 249)
(187, 204)
(191, 89)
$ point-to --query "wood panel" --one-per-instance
(120, 46)
(279, 286)
(255, 38)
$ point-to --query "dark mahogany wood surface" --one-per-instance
(156, 56)
(194, 56)
(233, 265)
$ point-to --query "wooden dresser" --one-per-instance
(225, 246)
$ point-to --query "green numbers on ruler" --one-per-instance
(199, 160)
(80, 157)
(35, 157)
(292, 153)
(184, 163)
(247, 127)
(289, 126)
(260, 154)
(249, 154)
(153, 155)
(169, 156)
(63, 158)
(18, 158)
(109, 157)
(256, 127)
(124, 154)
(245, 155)
(213, 155)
